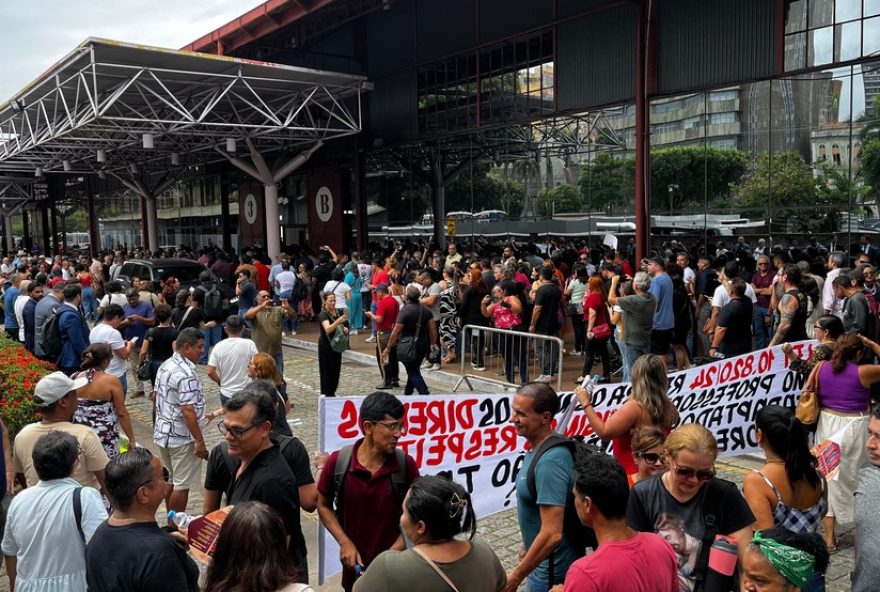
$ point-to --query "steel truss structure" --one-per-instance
(111, 107)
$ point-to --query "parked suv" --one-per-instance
(158, 270)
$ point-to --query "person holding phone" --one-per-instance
(329, 361)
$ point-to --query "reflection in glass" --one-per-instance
(796, 19)
(849, 38)
(847, 10)
(872, 7)
(821, 46)
(872, 35)
(821, 13)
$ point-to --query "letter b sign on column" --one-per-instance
(324, 204)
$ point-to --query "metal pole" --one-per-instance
(273, 229)
(7, 225)
(643, 220)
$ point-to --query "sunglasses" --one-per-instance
(688, 472)
(650, 457)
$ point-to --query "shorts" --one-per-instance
(186, 467)
(660, 340)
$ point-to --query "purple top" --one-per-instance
(843, 392)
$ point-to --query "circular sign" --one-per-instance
(250, 208)
(324, 204)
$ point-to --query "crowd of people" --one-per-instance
(659, 515)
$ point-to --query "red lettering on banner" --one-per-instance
(436, 417)
(348, 427)
(435, 451)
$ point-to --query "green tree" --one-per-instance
(870, 166)
(694, 173)
(833, 188)
(781, 187)
(607, 182)
(484, 190)
(558, 200)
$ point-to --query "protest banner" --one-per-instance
(469, 437)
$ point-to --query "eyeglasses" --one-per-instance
(392, 426)
(688, 472)
(166, 477)
(651, 458)
(237, 433)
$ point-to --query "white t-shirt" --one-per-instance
(721, 296)
(285, 281)
(109, 299)
(340, 289)
(18, 308)
(104, 333)
(231, 357)
(366, 273)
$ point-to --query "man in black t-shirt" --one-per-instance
(545, 321)
(733, 333)
(262, 473)
(129, 552)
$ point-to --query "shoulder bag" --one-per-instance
(339, 341)
(407, 347)
(808, 404)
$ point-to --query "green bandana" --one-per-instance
(795, 565)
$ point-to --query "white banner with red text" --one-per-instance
(469, 437)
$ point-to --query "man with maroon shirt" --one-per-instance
(762, 282)
(385, 317)
(364, 514)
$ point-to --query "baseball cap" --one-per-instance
(54, 386)
(381, 287)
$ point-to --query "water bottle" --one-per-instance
(181, 519)
(722, 564)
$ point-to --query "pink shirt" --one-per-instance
(645, 562)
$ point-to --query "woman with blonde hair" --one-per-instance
(647, 405)
(678, 503)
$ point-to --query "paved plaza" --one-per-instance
(500, 531)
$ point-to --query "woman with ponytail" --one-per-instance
(787, 491)
(435, 512)
(845, 410)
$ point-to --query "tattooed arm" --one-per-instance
(788, 306)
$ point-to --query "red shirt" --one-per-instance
(645, 562)
(375, 530)
(387, 309)
(262, 276)
(379, 277)
(763, 282)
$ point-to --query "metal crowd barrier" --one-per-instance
(528, 356)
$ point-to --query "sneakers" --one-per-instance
(371, 339)
(426, 364)
(292, 333)
(480, 368)
(434, 366)
(383, 387)
(353, 332)
(545, 378)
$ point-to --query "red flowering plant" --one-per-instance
(19, 373)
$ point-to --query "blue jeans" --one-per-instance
(373, 307)
(623, 356)
(90, 304)
(124, 380)
(287, 323)
(633, 353)
(533, 584)
(279, 362)
(762, 335)
(212, 338)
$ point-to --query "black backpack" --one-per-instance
(299, 291)
(214, 302)
(578, 536)
(50, 338)
(399, 486)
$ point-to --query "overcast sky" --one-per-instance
(34, 34)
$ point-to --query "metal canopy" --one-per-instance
(107, 95)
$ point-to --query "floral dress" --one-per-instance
(101, 417)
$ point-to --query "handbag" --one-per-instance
(339, 341)
(407, 347)
(143, 371)
(808, 403)
(602, 331)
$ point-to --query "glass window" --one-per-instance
(719, 118)
(797, 16)
(849, 40)
(872, 7)
(821, 13)
(872, 36)
(821, 46)
(847, 10)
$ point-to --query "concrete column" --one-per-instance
(44, 229)
(152, 223)
(273, 228)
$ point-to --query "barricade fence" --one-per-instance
(508, 358)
